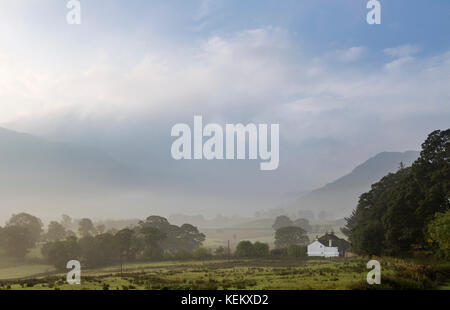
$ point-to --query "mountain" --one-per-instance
(340, 197)
(38, 173)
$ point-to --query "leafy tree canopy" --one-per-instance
(393, 217)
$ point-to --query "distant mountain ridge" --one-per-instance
(51, 178)
(340, 197)
(29, 160)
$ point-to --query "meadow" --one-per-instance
(251, 274)
(259, 230)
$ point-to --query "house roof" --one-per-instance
(341, 244)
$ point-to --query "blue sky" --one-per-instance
(317, 25)
(342, 90)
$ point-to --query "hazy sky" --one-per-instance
(341, 90)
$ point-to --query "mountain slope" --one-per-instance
(39, 175)
(30, 159)
(340, 197)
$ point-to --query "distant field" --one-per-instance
(11, 269)
(259, 230)
(245, 274)
(216, 237)
(24, 270)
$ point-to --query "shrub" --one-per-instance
(183, 255)
(279, 252)
(244, 249)
(201, 253)
(260, 249)
(297, 251)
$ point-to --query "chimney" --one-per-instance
(330, 242)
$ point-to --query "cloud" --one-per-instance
(395, 64)
(253, 71)
(402, 51)
(351, 54)
(261, 75)
(206, 8)
(403, 55)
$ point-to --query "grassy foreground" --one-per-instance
(248, 274)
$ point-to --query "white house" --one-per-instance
(318, 249)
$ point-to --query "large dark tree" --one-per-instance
(148, 240)
(55, 231)
(100, 250)
(290, 235)
(245, 249)
(184, 238)
(16, 241)
(31, 223)
(20, 234)
(125, 243)
(59, 253)
(86, 227)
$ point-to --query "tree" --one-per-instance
(148, 241)
(58, 253)
(393, 217)
(247, 249)
(220, 251)
(124, 241)
(281, 221)
(20, 234)
(100, 228)
(201, 253)
(190, 237)
(16, 241)
(98, 251)
(260, 249)
(31, 223)
(55, 231)
(66, 221)
(278, 252)
(86, 227)
(297, 251)
(439, 233)
(291, 235)
(183, 255)
(88, 250)
(107, 251)
(158, 222)
(187, 237)
(303, 223)
(244, 249)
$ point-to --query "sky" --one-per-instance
(342, 90)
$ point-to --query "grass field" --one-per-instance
(216, 237)
(247, 274)
(258, 230)
(32, 265)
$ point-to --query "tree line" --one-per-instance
(152, 239)
(290, 241)
(408, 211)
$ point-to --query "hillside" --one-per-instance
(340, 197)
(34, 171)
